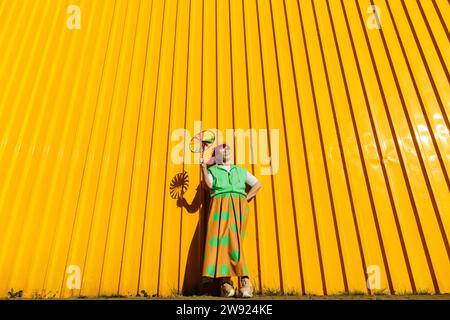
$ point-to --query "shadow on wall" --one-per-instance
(193, 283)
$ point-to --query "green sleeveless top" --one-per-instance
(228, 181)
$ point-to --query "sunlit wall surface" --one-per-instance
(350, 100)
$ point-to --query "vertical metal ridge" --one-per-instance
(135, 145)
(282, 102)
(88, 153)
(341, 150)
(380, 154)
(316, 231)
(280, 269)
(151, 149)
(397, 149)
(399, 153)
(258, 249)
(174, 49)
(300, 258)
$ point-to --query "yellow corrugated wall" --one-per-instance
(86, 145)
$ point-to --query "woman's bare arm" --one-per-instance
(205, 175)
(252, 192)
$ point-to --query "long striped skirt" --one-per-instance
(225, 232)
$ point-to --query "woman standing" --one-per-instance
(227, 221)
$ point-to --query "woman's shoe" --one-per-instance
(226, 290)
(246, 290)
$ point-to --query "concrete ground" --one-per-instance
(280, 297)
(338, 297)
